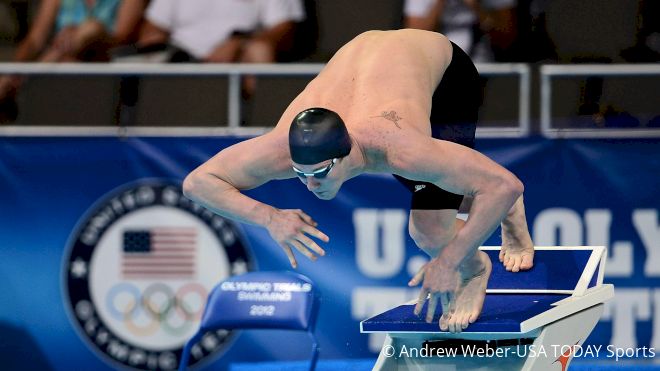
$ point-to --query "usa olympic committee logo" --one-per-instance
(139, 268)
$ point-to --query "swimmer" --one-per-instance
(401, 102)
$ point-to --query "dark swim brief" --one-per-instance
(455, 107)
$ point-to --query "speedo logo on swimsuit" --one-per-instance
(139, 268)
(419, 187)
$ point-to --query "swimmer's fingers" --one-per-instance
(310, 230)
(306, 218)
(424, 292)
(430, 311)
(310, 244)
(418, 277)
(289, 254)
(299, 246)
(448, 301)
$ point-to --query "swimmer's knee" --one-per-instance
(428, 236)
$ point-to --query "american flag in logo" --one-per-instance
(159, 253)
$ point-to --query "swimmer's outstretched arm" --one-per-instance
(217, 185)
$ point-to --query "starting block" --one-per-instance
(531, 320)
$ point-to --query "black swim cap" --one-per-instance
(317, 135)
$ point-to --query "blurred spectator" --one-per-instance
(485, 29)
(84, 30)
(534, 43)
(223, 31)
(8, 23)
(647, 46)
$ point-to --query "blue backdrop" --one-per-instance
(61, 197)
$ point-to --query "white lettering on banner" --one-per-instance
(118, 350)
(646, 224)
(620, 257)
(136, 357)
(262, 310)
(246, 286)
(619, 261)
(369, 225)
(624, 310)
(264, 296)
(369, 301)
(562, 227)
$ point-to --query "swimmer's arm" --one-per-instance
(461, 170)
(217, 183)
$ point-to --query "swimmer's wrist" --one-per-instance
(450, 258)
(444, 263)
(267, 213)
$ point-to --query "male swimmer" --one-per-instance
(402, 102)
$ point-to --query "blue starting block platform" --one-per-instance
(529, 319)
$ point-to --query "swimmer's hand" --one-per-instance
(441, 282)
(291, 229)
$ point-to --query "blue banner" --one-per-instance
(104, 264)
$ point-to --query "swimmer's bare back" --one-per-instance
(389, 75)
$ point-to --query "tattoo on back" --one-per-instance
(390, 116)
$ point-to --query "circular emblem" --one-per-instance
(139, 268)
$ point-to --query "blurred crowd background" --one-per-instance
(536, 32)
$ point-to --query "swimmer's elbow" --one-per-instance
(201, 185)
(512, 187)
(191, 185)
(520, 188)
(197, 185)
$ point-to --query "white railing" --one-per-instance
(234, 72)
(524, 92)
(549, 72)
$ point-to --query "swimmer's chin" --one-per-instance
(325, 195)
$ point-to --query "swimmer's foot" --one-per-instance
(517, 249)
(470, 295)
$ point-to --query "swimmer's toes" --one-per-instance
(516, 264)
(527, 262)
(465, 321)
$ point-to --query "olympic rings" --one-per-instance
(183, 291)
(159, 303)
(146, 330)
(112, 295)
(151, 291)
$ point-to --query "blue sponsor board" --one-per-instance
(75, 293)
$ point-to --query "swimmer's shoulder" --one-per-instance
(410, 34)
(384, 144)
(405, 36)
(436, 45)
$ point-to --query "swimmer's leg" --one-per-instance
(432, 230)
(517, 248)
